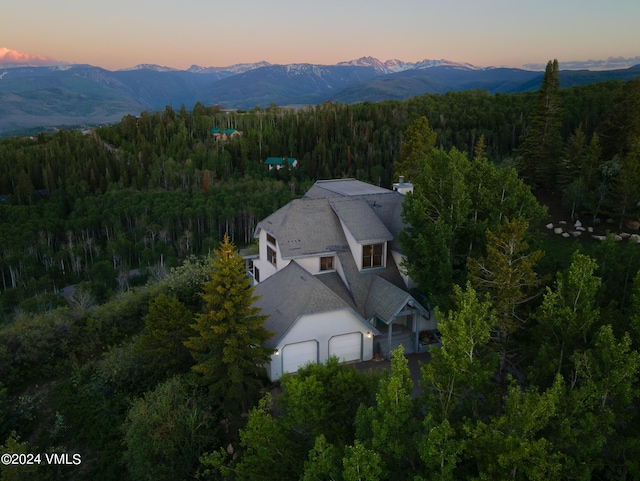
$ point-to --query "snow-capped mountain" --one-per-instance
(445, 63)
(232, 69)
(88, 94)
(365, 62)
(150, 66)
(395, 65)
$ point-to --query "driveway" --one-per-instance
(414, 368)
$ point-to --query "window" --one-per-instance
(271, 255)
(372, 256)
(271, 239)
(256, 274)
(326, 263)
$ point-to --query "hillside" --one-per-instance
(71, 95)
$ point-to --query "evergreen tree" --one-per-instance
(418, 143)
(229, 349)
(506, 274)
(543, 141)
(620, 133)
(166, 430)
(627, 187)
(167, 326)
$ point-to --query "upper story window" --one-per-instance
(271, 255)
(372, 256)
(271, 239)
(326, 263)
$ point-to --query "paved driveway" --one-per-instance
(414, 368)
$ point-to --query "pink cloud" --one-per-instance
(14, 57)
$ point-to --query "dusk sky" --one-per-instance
(123, 33)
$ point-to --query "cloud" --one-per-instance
(612, 63)
(15, 58)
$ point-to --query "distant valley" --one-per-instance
(33, 98)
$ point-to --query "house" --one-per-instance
(279, 162)
(329, 275)
(224, 135)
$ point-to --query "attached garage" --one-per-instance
(346, 347)
(296, 355)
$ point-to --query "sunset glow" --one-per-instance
(122, 34)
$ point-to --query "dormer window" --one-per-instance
(326, 263)
(271, 255)
(372, 256)
(271, 239)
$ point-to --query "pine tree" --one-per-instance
(506, 274)
(419, 142)
(543, 142)
(627, 187)
(229, 349)
(620, 133)
(162, 342)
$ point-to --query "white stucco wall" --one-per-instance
(267, 269)
(356, 249)
(312, 263)
(399, 258)
(322, 327)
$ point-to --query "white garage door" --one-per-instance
(294, 356)
(347, 347)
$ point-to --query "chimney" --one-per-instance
(403, 187)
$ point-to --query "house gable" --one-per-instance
(305, 314)
(335, 254)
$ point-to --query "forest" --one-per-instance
(538, 376)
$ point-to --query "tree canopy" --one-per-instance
(229, 343)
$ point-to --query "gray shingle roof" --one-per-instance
(361, 220)
(359, 282)
(305, 227)
(290, 293)
(385, 300)
(386, 204)
(311, 226)
(343, 188)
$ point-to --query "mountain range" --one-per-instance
(41, 96)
